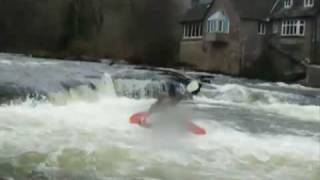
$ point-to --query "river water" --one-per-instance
(256, 130)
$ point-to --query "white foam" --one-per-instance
(104, 123)
(262, 147)
(6, 62)
(302, 112)
(295, 86)
(95, 120)
(295, 111)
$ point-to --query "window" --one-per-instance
(288, 3)
(308, 3)
(218, 23)
(293, 28)
(262, 28)
(192, 30)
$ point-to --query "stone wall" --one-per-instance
(313, 76)
(253, 46)
(317, 44)
(281, 66)
(191, 53)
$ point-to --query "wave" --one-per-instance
(98, 133)
(295, 111)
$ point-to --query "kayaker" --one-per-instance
(174, 97)
(166, 103)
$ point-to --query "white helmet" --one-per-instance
(193, 86)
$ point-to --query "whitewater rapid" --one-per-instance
(253, 133)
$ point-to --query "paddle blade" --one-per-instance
(138, 117)
(196, 129)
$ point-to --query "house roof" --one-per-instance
(294, 12)
(253, 9)
(297, 10)
(197, 13)
(250, 9)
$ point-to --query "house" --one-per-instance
(295, 33)
(225, 35)
(252, 37)
(295, 25)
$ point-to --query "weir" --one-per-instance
(255, 129)
(22, 76)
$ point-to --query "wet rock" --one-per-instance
(43, 77)
(11, 92)
(206, 79)
(7, 178)
(34, 175)
(26, 163)
(71, 84)
(6, 171)
(22, 77)
(73, 160)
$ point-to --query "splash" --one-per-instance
(83, 133)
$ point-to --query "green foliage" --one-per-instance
(144, 31)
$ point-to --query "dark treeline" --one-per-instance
(142, 31)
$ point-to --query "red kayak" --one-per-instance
(140, 118)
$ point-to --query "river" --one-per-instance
(255, 130)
